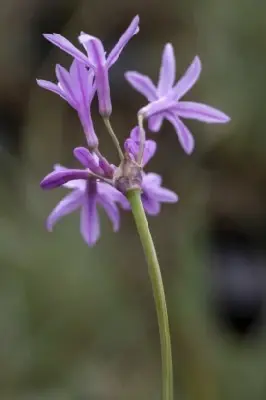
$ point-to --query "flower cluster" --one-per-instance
(100, 183)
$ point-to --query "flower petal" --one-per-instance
(149, 151)
(65, 45)
(131, 147)
(67, 205)
(185, 137)
(87, 125)
(111, 210)
(76, 184)
(67, 84)
(89, 220)
(82, 79)
(60, 177)
(94, 48)
(142, 84)
(135, 134)
(52, 87)
(157, 107)
(103, 91)
(85, 157)
(132, 30)
(151, 179)
(155, 122)
(113, 194)
(167, 71)
(188, 79)
(200, 112)
(96, 54)
(151, 206)
(162, 194)
(106, 167)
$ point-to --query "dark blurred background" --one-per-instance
(79, 323)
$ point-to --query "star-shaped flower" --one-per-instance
(87, 193)
(77, 88)
(97, 60)
(165, 98)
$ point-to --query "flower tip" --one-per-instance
(85, 37)
(44, 184)
(49, 225)
(169, 47)
(226, 118)
(135, 21)
(189, 150)
(197, 62)
(39, 82)
(48, 36)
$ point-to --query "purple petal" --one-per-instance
(142, 84)
(132, 30)
(107, 168)
(200, 112)
(188, 79)
(94, 48)
(66, 83)
(76, 184)
(89, 220)
(151, 206)
(111, 210)
(151, 179)
(113, 194)
(87, 124)
(87, 159)
(131, 147)
(60, 177)
(67, 46)
(155, 122)
(103, 91)
(185, 137)
(157, 107)
(149, 151)
(167, 71)
(83, 82)
(84, 91)
(96, 54)
(52, 87)
(135, 134)
(162, 194)
(67, 205)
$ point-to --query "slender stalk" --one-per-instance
(158, 291)
(142, 139)
(114, 137)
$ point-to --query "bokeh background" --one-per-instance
(79, 323)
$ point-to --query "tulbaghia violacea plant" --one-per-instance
(100, 183)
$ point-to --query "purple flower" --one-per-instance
(97, 60)
(153, 194)
(165, 98)
(87, 193)
(77, 88)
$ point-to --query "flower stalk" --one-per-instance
(114, 137)
(134, 197)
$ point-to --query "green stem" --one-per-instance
(158, 291)
(114, 137)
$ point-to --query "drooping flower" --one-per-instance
(87, 193)
(97, 60)
(78, 89)
(164, 100)
(153, 194)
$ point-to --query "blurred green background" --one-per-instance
(79, 323)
